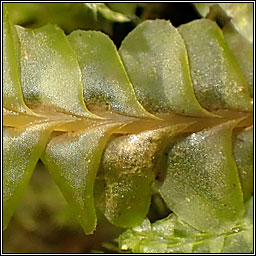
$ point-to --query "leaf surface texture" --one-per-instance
(171, 114)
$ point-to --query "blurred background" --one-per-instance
(115, 19)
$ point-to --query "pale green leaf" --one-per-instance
(49, 68)
(241, 239)
(171, 235)
(242, 49)
(129, 166)
(21, 151)
(104, 78)
(198, 179)
(156, 61)
(12, 95)
(241, 15)
(73, 160)
(236, 20)
(216, 76)
(202, 185)
(239, 242)
(243, 154)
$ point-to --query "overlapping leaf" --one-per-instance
(172, 235)
(73, 161)
(64, 79)
(242, 49)
(105, 81)
(227, 90)
(46, 63)
(240, 14)
(21, 151)
(12, 95)
(243, 153)
(156, 51)
(129, 167)
(236, 20)
(202, 185)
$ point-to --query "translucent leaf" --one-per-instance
(160, 237)
(156, 61)
(241, 17)
(216, 76)
(104, 78)
(242, 49)
(243, 153)
(129, 165)
(202, 185)
(171, 235)
(201, 179)
(241, 239)
(21, 151)
(239, 243)
(213, 245)
(12, 95)
(50, 74)
(73, 160)
(236, 21)
(249, 213)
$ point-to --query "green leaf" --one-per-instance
(217, 78)
(47, 62)
(104, 78)
(129, 166)
(241, 239)
(199, 175)
(12, 95)
(21, 151)
(239, 243)
(236, 21)
(73, 160)
(172, 235)
(156, 61)
(243, 154)
(202, 185)
(242, 50)
(240, 15)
